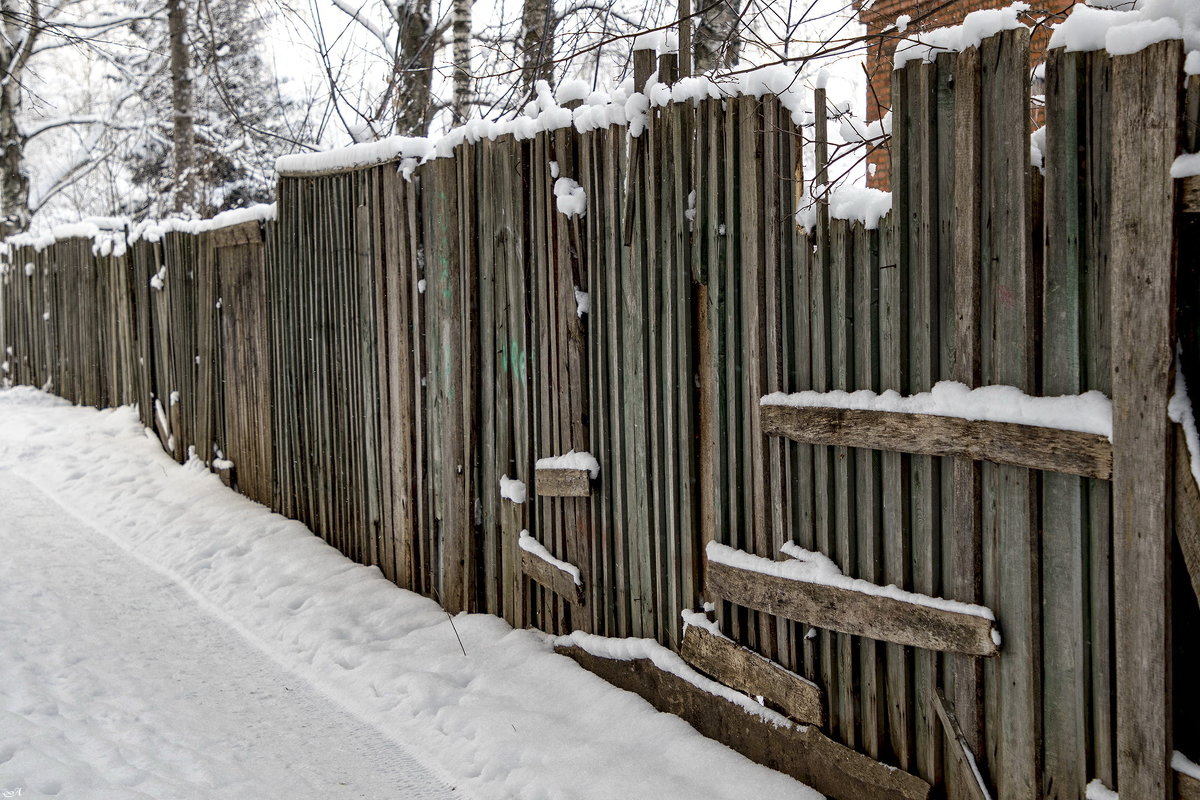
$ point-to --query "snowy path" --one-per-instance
(115, 683)
(163, 637)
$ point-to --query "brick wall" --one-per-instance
(883, 13)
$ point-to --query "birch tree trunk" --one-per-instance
(183, 129)
(462, 60)
(16, 45)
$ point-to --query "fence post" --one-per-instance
(1145, 90)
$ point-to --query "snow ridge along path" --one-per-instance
(404, 708)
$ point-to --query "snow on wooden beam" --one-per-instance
(802, 752)
(851, 606)
(747, 671)
(568, 475)
(558, 576)
(563, 482)
(1031, 446)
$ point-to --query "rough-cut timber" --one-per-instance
(1142, 227)
(563, 483)
(1187, 510)
(970, 782)
(1030, 446)
(556, 580)
(802, 752)
(857, 613)
(747, 671)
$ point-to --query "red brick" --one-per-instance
(882, 15)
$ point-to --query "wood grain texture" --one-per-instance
(848, 611)
(1143, 301)
(969, 782)
(804, 753)
(747, 671)
(1187, 510)
(1028, 446)
(562, 482)
(560, 582)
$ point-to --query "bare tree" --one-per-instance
(28, 32)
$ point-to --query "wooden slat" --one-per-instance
(563, 482)
(743, 669)
(848, 611)
(1028, 446)
(1143, 247)
(804, 753)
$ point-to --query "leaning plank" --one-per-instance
(743, 669)
(855, 612)
(557, 576)
(802, 752)
(1031, 446)
(563, 482)
(972, 781)
(1189, 194)
(1186, 787)
(1187, 510)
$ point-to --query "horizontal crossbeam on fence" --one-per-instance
(742, 669)
(1030, 446)
(802, 752)
(553, 578)
(562, 483)
(858, 613)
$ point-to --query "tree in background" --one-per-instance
(215, 117)
(33, 37)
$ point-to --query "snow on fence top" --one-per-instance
(1120, 32)
(1090, 412)
(548, 112)
(110, 235)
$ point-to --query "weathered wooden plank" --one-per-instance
(1029, 446)
(747, 671)
(559, 581)
(563, 482)
(1187, 510)
(1145, 133)
(970, 782)
(1063, 497)
(847, 611)
(966, 551)
(802, 752)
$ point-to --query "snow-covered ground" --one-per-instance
(163, 637)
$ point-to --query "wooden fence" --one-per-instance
(377, 357)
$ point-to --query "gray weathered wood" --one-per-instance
(1143, 301)
(747, 671)
(562, 482)
(559, 581)
(848, 611)
(1028, 446)
(971, 781)
(802, 752)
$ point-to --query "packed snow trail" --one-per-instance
(114, 683)
(163, 637)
